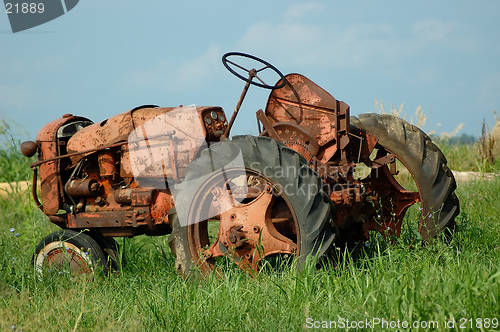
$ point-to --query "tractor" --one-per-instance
(294, 190)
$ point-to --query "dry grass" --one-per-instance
(419, 115)
(484, 156)
(419, 118)
(494, 135)
(487, 144)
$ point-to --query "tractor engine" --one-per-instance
(116, 175)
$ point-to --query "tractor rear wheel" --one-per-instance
(249, 199)
(426, 164)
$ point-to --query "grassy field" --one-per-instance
(388, 285)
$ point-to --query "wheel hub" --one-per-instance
(247, 231)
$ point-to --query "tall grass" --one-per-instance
(435, 282)
(481, 156)
(14, 166)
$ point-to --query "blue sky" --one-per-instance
(106, 57)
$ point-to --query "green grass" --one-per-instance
(462, 157)
(436, 282)
(13, 165)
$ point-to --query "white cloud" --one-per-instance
(352, 45)
(298, 11)
(438, 35)
(199, 68)
(432, 29)
(314, 46)
(176, 74)
(289, 41)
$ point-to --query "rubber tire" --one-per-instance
(425, 162)
(77, 239)
(314, 214)
(110, 249)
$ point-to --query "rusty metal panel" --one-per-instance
(163, 202)
(49, 179)
(160, 131)
(107, 164)
(48, 133)
(125, 167)
(106, 132)
(304, 103)
(49, 172)
(134, 196)
(138, 217)
(163, 142)
(291, 135)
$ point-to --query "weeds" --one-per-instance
(14, 167)
(483, 156)
(388, 280)
(486, 145)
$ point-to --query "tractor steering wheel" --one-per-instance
(253, 72)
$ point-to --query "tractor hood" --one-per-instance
(116, 129)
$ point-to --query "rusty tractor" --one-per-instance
(292, 191)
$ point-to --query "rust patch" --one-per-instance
(302, 102)
(49, 172)
(162, 203)
(247, 231)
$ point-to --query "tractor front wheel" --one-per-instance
(68, 251)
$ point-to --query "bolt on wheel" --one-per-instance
(271, 204)
(251, 220)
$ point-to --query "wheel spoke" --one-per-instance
(390, 200)
(246, 232)
(252, 72)
(237, 65)
(426, 166)
(260, 80)
(261, 69)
